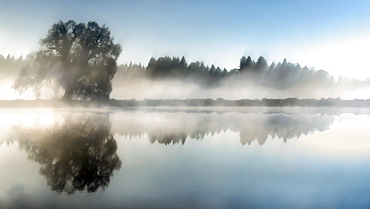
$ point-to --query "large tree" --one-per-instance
(81, 58)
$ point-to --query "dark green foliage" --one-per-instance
(176, 68)
(246, 64)
(261, 64)
(81, 58)
(166, 67)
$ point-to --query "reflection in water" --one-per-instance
(76, 152)
(75, 155)
(284, 127)
(167, 128)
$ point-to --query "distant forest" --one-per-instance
(281, 76)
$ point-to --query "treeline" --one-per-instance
(287, 102)
(10, 66)
(165, 68)
(283, 75)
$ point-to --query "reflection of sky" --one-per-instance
(221, 171)
(313, 171)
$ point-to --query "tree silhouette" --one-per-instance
(246, 64)
(80, 57)
(75, 156)
(261, 64)
(243, 62)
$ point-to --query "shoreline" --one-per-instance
(113, 103)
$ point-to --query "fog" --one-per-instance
(152, 89)
(140, 89)
(174, 78)
(288, 80)
(80, 128)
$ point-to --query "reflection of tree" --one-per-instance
(168, 138)
(167, 135)
(76, 155)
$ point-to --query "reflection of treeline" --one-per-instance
(173, 128)
(282, 75)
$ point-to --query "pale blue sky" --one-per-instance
(330, 35)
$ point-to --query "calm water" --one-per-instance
(249, 158)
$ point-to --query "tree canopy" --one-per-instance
(80, 58)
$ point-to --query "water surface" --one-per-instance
(62, 158)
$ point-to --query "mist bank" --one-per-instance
(174, 78)
(144, 88)
(288, 102)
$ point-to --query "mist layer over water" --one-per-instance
(173, 89)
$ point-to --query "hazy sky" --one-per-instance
(330, 35)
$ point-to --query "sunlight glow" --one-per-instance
(348, 58)
(8, 93)
(28, 118)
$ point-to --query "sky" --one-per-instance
(329, 35)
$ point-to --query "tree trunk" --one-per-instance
(68, 94)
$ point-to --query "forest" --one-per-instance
(283, 75)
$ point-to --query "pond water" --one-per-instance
(166, 158)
